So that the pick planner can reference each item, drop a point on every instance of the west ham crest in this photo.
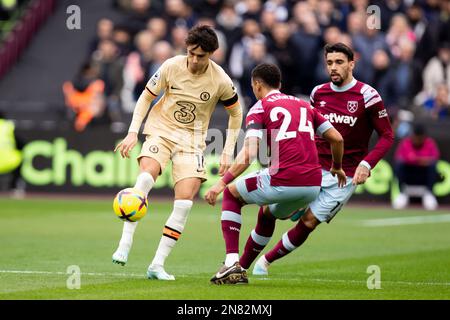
(352, 106)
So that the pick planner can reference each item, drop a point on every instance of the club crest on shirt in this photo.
(352, 106)
(204, 96)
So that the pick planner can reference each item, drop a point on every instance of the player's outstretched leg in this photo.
(258, 239)
(171, 233)
(231, 272)
(288, 243)
(298, 214)
(144, 183)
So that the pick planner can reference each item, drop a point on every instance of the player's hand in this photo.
(214, 192)
(127, 144)
(225, 163)
(342, 179)
(361, 175)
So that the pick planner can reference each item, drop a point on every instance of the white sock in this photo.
(127, 235)
(144, 182)
(231, 259)
(172, 230)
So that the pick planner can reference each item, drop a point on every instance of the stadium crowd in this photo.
(402, 50)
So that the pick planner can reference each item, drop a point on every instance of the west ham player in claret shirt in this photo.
(355, 109)
(294, 176)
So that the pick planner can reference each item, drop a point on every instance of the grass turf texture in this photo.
(41, 238)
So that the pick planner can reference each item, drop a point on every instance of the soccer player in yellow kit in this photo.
(176, 130)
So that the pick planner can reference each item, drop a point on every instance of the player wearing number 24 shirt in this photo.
(356, 110)
(190, 87)
(294, 176)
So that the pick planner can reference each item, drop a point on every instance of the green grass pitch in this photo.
(42, 238)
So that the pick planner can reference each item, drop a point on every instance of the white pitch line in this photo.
(406, 220)
(272, 278)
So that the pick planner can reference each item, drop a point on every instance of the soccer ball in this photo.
(130, 204)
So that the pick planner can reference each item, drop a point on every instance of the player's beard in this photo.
(339, 80)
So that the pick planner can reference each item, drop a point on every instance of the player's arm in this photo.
(246, 155)
(154, 86)
(334, 138)
(234, 110)
(139, 113)
(326, 130)
(380, 122)
(243, 160)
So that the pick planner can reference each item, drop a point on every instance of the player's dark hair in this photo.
(339, 47)
(202, 36)
(268, 73)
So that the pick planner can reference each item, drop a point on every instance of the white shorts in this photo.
(331, 198)
(282, 201)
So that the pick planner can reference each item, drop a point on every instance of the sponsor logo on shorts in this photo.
(153, 149)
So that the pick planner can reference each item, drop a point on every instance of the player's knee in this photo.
(309, 220)
(151, 166)
(232, 189)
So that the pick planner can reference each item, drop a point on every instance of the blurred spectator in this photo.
(366, 44)
(389, 9)
(257, 53)
(240, 50)
(158, 27)
(177, 36)
(438, 69)
(207, 8)
(331, 35)
(284, 51)
(11, 157)
(85, 96)
(399, 32)
(438, 107)
(104, 31)
(110, 67)
(139, 13)
(179, 13)
(356, 23)
(326, 14)
(122, 37)
(306, 38)
(415, 166)
(136, 70)
(229, 22)
(249, 9)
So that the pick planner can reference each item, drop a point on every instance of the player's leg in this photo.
(152, 161)
(290, 198)
(231, 272)
(328, 203)
(188, 174)
(249, 189)
(259, 237)
(149, 170)
(289, 242)
(185, 191)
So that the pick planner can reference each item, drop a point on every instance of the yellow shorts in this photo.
(185, 164)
